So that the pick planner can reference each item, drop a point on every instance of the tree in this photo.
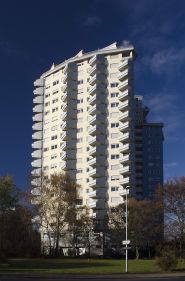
(8, 199)
(145, 224)
(173, 193)
(56, 204)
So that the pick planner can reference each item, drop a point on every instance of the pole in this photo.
(126, 236)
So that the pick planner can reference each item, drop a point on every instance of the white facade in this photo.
(84, 124)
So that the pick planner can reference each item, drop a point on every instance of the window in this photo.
(47, 86)
(114, 135)
(114, 167)
(79, 130)
(55, 92)
(80, 171)
(113, 85)
(80, 110)
(55, 109)
(55, 82)
(55, 100)
(113, 65)
(53, 156)
(114, 104)
(115, 156)
(46, 149)
(114, 188)
(113, 75)
(114, 95)
(46, 113)
(53, 166)
(79, 140)
(47, 95)
(114, 178)
(114, 125)
(80, 82)
(54, 146)
(47, 103)
(54, 137)
(115, 145)
(45, 168)
(80, 101)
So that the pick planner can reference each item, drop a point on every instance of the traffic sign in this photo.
(125, 242)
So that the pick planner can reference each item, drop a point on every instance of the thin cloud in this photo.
(92, 20)
(165, 109)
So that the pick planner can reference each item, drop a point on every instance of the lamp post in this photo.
(125, 193)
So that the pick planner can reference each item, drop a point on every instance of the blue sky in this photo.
(34, 34)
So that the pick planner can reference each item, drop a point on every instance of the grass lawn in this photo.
(81, 266)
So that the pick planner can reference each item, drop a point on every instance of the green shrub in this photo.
(167, 260)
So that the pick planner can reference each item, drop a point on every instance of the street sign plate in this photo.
(125, 242)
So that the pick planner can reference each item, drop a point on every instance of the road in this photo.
(146, 277)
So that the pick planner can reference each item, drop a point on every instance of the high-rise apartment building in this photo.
(88, 123)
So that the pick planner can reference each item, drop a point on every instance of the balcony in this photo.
(125, 116)
(36, 172)
(92, 90)
(92, 121)
(39, 82)
(124, 137)
(125, 159)
(93, 70)
(124, 126)
(63, 116)
(125, 170)
(39, 91)
(124, 181)
(63, 156)
(99, 182)
(97, 150)
(93, 80)
(64, 97)
(123, 65)
(37, 153)
(63, 146)
(65, 69)
(64, 88)
(63, 127)
(37, 117)
(93, 60)
(124, 85)
(99, 161)
(92, 194)
(122, 191)
(38, 99)
(36, 163)
(63, 136)
(37, 144)
(125, 148)
(38, 108)
(64, 107)
(63, 166)
(92, 110)
(37, 135)
(37, 126)
(95, 204)
(97, 172)
(124, 106)
(124, 95)
(92, 100)
(124, 75)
